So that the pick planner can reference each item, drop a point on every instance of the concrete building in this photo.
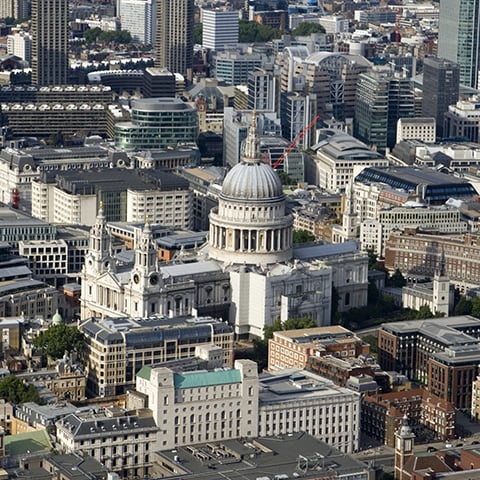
(49, 42)
(375, 231)
(423, 129)
(263, 90)
(20, 45)
(157, 123)
(127, 195)
(293, 348)
(14, 9)
(441, 353)
(220, 29)
(299, 453)
(336, 155)
(174, 39)
(139, 18)
(119, 441)
(220, 405)
(117, 348)
(462, 120)
(233, 67)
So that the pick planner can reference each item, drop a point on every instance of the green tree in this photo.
(15, 391)
(91, 35)
(198, 34)
(302, 236)
(285, 178)
(256, 32)
(463, 307)
(289, 324)
(372, 340)
(306, 28)
(476, 307)
(424, 312)
(372, 259)
(59, 339)
(373, 293)
(397, 279)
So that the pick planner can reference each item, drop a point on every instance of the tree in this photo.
(424, 312)
(372, 259)
(372, 340)
(256, 32)
(285, 178)
(306, 28)
(289, 324)
(397, 279)
(198, 34)
(302, 236)
(373, 293)
(476, 307)
(13, 390)
(463, 307)
(59, 339)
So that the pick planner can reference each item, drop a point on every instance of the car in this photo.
(475, 442)
(431, 449)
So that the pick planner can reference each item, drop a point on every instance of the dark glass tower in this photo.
(49, 42)
(440, 89)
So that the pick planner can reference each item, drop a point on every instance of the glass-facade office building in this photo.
(158, 123)
(459, 36)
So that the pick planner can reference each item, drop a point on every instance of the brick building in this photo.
(442, 354)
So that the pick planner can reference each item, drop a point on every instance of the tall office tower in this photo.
(49, 42)
(174, 42)
(138, 17)
(220, 28)
(441, 84)
(381, 99)
(17, 9)
(263, 89)
(459, 37)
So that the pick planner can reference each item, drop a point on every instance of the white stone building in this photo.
(248, 273)
(210, 406)
(374, 233)
(423, 129)
(336, 155)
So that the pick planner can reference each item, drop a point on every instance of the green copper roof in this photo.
(28, 442)
(145, 372)
(206, 379)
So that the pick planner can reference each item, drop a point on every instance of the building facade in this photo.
(49, 42)
(220, 28)
(174, 38)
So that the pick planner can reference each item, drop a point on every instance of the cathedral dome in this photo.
(252, 181)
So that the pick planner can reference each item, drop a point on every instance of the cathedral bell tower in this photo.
(144, 272)
(98, 259)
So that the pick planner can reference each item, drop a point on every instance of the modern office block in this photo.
(459, 37)
(220, 28)
(441, 80)
(49, 42)
(174, 40)
(139, 18)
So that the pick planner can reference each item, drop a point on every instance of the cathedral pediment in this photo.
(109, 280)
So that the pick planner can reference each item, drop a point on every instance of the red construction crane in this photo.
(295, 142)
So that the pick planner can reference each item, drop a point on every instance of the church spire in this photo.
(251, 151)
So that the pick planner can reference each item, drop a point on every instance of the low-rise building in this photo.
(122, 442)
(293, 348)
(430, 417)
(423, 129)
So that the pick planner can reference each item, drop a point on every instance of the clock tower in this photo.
(404, 442)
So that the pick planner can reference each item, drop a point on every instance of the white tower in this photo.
(441, 289)
(404, 441)
(98, 259)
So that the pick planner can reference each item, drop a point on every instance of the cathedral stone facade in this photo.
(248, 273)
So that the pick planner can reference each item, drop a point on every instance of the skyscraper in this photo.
(49, 42)
(138, 18)
(459, 37)
(174, 42)
(220, 28)
(441, 85)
